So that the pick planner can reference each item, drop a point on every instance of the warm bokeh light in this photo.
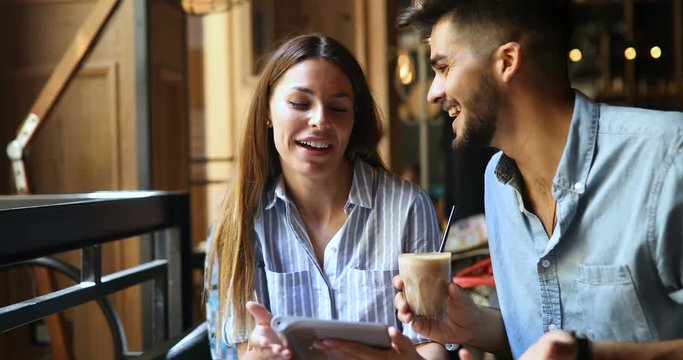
(656, 52)
(575, 55)
(630, 53)
(204, 7)
(406, 69)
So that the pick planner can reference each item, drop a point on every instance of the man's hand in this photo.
(455, 327)
(555, 345)
(264, 342)
(401, 348)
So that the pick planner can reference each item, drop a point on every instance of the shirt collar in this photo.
(361, 194)
(577, 157)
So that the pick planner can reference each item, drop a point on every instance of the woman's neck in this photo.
(320, 198)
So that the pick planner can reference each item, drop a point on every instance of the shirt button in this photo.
(334, 250)
(552, 327)
(545, 263)
(578, 186)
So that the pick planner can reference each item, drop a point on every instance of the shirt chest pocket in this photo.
(376, 291)
(289, 293)
(611, 306)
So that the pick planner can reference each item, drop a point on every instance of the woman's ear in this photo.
(508, 58)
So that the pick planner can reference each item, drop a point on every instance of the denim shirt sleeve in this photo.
(666, 225)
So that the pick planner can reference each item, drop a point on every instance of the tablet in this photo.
(301, 332)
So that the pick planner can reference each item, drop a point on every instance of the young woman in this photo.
(313, 223)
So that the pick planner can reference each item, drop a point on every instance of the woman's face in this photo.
(312, 111)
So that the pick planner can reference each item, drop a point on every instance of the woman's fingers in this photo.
(260, 313)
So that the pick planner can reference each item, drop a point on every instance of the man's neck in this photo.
(534, 133)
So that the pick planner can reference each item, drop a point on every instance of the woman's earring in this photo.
(268, 123)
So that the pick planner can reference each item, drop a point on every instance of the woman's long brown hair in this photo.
(258, 166)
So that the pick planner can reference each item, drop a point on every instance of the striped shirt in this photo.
(386, 216)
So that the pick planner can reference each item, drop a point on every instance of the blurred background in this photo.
(160, 101)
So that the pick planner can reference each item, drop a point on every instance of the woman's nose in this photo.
(319, 118)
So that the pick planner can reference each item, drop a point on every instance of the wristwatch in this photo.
(583, 345)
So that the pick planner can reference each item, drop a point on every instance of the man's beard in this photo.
(482, 111)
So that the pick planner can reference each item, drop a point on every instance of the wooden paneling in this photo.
(88, 143)
(57, 154)
(170, 165)
(169, 123)
(17, 285)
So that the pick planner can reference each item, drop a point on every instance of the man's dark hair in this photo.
(542, 27)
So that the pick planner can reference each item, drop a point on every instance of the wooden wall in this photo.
(91, 141)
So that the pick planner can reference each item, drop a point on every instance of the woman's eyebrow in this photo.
(310, 92)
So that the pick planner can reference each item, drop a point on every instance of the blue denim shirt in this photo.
(613, 266)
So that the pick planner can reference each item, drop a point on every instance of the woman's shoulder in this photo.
(390, 185)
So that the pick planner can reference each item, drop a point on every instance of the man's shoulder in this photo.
(639, 121)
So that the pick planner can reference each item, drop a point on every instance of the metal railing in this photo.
(33, 226)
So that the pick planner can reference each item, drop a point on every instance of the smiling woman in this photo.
(311, 213)
(311, 114)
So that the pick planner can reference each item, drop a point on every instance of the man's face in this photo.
(464, 87)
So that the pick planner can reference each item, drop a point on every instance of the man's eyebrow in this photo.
(436, 59)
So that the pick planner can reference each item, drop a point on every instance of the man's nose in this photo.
(436, 92)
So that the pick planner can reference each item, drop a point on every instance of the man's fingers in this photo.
(433, 329)
(398, 282)
(404, 314)
(464, 354)
(260, 313)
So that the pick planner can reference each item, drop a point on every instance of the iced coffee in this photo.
(426, 277)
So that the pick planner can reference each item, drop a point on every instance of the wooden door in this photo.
(121, 125)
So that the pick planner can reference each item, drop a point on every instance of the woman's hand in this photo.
(264, 342)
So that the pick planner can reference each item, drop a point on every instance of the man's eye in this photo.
(298, 105)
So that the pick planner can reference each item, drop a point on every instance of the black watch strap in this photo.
(583, 345)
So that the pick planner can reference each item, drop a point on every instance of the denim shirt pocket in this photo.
(611, 306)
(289, 293)
(376, 288)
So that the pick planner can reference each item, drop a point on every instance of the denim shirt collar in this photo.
(577, 157)
(362, 172)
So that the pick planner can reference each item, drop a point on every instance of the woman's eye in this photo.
(339, 109)
(298, 105)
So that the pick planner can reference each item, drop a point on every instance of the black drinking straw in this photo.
(448, 227)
